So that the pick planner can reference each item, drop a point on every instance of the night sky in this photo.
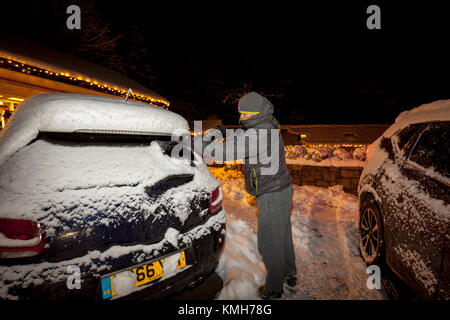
(316, 63)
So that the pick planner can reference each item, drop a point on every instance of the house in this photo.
(351, 135)
(27, 69)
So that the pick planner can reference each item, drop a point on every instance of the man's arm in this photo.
(238, 144)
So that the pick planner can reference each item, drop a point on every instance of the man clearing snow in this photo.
(267, 178)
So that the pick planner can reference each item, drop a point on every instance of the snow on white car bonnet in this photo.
(76, 112)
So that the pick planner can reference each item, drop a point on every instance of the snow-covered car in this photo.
(95, 205)
(405, 200)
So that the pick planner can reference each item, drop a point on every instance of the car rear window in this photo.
(125, 140)
(57, 162)
(432, 149)
(100, 138)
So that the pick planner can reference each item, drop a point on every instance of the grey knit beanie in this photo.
(251, 103)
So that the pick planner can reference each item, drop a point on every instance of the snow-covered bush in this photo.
(295, 152)
(341, 154)
(319, 154)
(360, 153)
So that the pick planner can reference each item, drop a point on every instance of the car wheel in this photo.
(371, 234)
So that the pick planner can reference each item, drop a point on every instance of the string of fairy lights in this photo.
(304, 144)
(79, 81)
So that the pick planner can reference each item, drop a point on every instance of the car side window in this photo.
(407, 133)
(432, 148)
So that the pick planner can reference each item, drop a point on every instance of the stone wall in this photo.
(319, 176)
(326, 176)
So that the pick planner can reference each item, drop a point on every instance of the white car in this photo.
(94, 205)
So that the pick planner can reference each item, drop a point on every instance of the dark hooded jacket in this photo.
(257, 180)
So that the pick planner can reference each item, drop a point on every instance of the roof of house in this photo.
(336, 134)
(30, 53)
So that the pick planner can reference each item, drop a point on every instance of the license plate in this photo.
(145, 273)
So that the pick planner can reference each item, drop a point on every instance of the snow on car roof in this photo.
(435, 111)
(56, 112)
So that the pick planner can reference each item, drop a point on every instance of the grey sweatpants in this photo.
(275, 236)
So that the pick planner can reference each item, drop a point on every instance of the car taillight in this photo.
(215, 201)
(368, 151)
(21, 238)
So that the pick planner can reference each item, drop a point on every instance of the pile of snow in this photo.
(325, 237)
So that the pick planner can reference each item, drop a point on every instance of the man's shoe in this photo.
(267, 294)
(290, 283)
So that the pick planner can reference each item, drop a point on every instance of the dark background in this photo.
(317, 62)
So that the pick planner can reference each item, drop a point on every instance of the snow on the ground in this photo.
(325, 236)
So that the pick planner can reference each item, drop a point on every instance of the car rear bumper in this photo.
(203, 245)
